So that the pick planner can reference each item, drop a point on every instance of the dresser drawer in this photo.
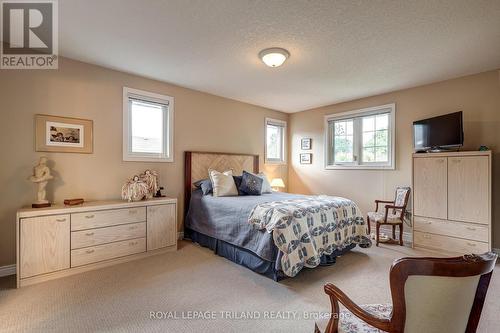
(91, 237)
(477, 232)
(93, 254)
(449, 244)
(105, 218)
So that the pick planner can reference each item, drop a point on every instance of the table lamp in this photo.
(277, 183)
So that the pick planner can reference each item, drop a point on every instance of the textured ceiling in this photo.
(340, 50)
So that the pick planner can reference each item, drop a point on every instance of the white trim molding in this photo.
(356, 116)
(8, 270)
(167, 103)
(283, 125)
(407, 235)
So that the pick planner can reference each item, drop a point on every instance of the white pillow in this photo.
(266, 186)
(223, 183)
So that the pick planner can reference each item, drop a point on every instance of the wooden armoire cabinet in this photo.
(452, 201)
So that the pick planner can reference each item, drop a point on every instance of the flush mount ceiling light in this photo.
(274, 57)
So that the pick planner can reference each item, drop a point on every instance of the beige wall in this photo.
(202, 122)
(477, 95)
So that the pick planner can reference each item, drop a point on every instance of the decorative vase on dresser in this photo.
(452, 201)
(64, 240)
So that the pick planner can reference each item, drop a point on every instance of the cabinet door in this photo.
(468, 189)
(44, 244)
(162, 226)
(430, 187)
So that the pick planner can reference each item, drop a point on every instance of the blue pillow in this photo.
(237, 182)
(250, 184)
(205, 185)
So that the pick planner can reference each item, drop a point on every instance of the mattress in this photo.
(226, 219)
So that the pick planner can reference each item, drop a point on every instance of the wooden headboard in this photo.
(197, 163)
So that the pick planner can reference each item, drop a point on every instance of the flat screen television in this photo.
(439, 133)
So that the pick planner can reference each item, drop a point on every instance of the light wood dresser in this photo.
(65, 240)
(452, 201)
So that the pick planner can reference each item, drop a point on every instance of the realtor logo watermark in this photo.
(29, 34)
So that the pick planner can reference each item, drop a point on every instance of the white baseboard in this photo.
(407, 235)
(497, 251)
(180, 235)
(8, 270)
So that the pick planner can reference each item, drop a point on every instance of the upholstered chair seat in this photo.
(380, 217)
(349, 323)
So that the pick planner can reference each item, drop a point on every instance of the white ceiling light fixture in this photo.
(274, 57)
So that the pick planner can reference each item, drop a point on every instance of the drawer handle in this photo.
(456, 161)
(471, 228)
(61, 220)
(133, 243)
(440, 160)
(471, 244)
(132, 211)
(427, 236)
(90, 251)
(89, 216)
(89, 234)
(132, 228)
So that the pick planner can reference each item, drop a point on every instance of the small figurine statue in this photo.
(135, 189)
(150, 177)
(41, 176)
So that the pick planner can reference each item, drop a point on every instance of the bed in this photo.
(242, 229)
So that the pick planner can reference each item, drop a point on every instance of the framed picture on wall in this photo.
(306, 158)
(306, 144)
(63, 134)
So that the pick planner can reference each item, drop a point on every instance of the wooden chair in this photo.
(393, 215)
(431, 295)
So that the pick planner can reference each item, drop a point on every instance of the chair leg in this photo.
(378, 231)
(394, 231)
(368, 222)
(401, 234)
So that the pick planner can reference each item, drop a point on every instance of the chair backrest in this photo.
(440, 294)
(401, 199)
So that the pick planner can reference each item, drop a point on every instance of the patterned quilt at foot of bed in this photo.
(305, 229)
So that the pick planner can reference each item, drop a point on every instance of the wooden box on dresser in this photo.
(63, 240)
(452, 201)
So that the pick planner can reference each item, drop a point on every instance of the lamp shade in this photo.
(277, 182)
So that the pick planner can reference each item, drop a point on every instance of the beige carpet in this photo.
(120, 298)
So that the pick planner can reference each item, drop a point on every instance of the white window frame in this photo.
(283, 124)
(358, 137)
(168, 125)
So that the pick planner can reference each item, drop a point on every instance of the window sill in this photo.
(275, 162)
(147, 159)
(360, 167)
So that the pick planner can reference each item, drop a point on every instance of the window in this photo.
(361, 139)
(147, 126)
(275, 141)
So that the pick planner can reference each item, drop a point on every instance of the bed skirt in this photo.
(249, 259)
